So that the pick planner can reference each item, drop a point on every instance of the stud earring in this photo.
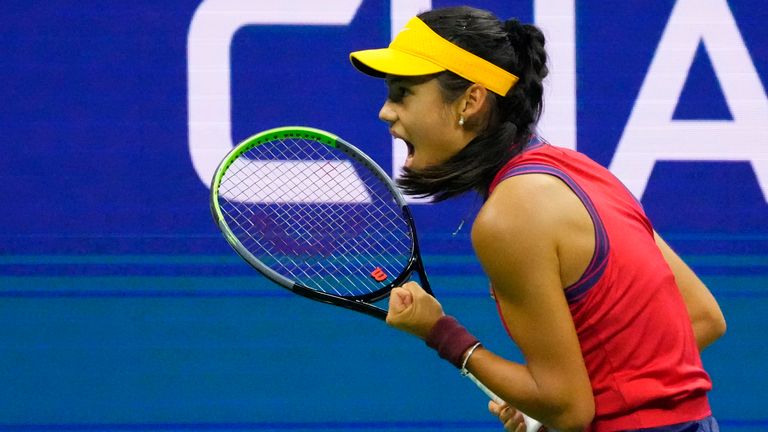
(461, 121)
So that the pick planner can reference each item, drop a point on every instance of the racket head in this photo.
(316, 215)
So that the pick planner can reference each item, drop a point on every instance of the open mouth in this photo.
(410, 153)
(408, 145)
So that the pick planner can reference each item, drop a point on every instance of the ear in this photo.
(472, 104)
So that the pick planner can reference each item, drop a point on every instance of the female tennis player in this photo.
(609, 319)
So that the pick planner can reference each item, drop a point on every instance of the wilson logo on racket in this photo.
(378, 275)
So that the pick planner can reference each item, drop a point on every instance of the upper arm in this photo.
(515, 237)
(704, 312)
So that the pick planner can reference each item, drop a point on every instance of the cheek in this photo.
(435, 126)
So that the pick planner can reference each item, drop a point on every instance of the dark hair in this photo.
(513, 46)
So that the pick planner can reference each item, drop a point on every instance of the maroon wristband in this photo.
(450, 339)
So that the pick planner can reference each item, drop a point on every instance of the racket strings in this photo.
(310, 211)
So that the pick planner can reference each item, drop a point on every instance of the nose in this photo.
(386, 113)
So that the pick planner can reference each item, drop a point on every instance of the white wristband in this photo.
(470, 351)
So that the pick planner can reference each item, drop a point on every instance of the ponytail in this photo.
(524, 102)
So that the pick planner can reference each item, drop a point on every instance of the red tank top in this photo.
(633, 326)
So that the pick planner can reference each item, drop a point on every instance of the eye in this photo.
(397, 93)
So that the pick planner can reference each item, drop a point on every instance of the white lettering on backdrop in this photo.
(650, 134)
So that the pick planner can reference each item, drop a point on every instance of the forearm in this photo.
(555, 392)
(555, 402)
(705, 315)
(706, 333)
(708, 322)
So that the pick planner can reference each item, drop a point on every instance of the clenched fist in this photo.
(413, 310)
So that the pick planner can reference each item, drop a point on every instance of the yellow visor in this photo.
(418, 50)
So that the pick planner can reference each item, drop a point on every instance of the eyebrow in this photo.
(394, 80)
(408, 80)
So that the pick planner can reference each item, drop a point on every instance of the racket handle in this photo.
(531, 425)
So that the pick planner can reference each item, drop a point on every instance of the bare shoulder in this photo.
(533, 223)
(525, 205)
(517, 225)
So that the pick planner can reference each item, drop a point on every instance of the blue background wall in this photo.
(121, 308)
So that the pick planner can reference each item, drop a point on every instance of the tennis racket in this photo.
(319, 217)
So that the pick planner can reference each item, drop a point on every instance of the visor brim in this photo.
(387, 61)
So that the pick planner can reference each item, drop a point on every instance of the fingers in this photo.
(495, 408)
(413, 288)
(403, 297)
(511, 418)
(399, 300)
(412, 309)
